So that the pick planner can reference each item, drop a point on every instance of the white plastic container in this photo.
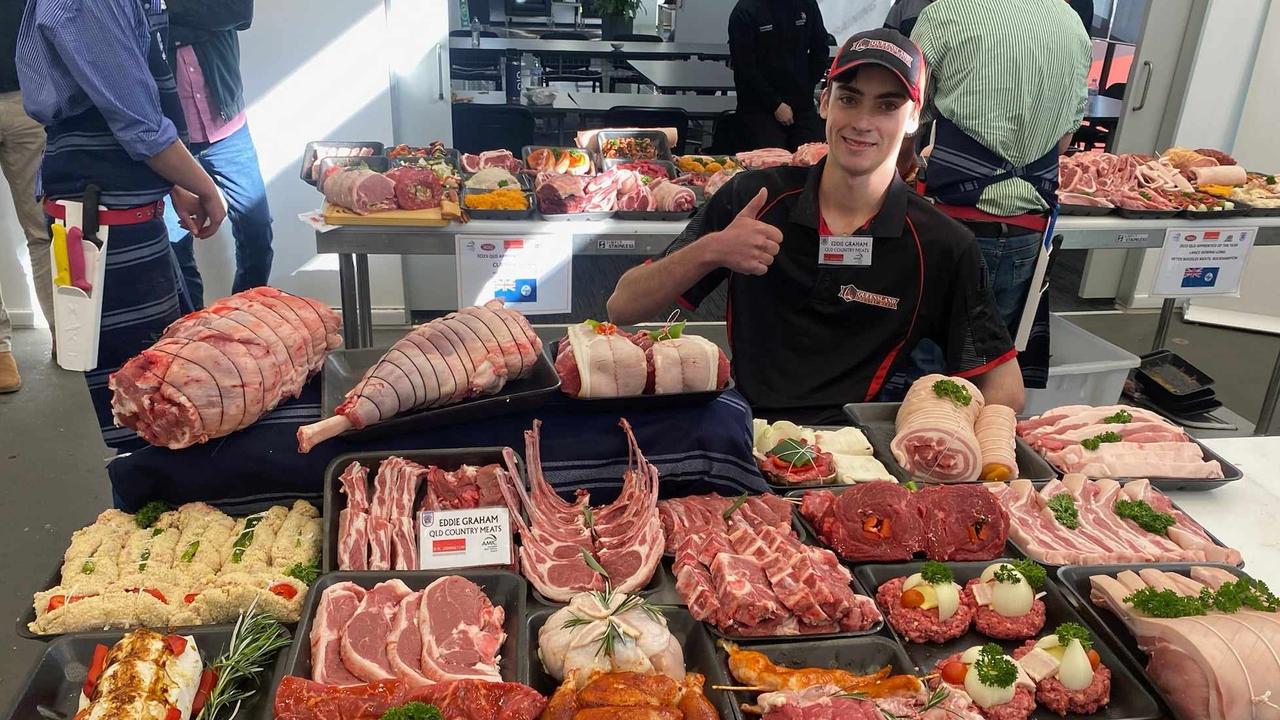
(1084, 369)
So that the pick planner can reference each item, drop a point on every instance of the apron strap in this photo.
(960, 168)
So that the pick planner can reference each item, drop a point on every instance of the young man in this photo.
(834, 270)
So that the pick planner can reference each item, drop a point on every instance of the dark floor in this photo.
(52, 458)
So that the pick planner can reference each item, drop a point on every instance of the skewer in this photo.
(740, 688)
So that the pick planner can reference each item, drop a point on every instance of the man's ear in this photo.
(822, 102)
(913, 120)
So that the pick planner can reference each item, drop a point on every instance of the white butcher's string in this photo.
(928, 476)
(1265, 699)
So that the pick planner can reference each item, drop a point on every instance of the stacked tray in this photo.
(333, 148)
(876, 420)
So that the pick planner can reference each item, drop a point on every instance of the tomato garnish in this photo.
(176, 643)
(1095, 659)
(96, 666)
(284, 590)
(189, 598)
(954, 672)
(912, 598)
(208, 679)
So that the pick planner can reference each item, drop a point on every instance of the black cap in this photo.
(887, 48)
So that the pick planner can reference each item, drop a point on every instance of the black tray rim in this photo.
(309, 154)
(1230, 471)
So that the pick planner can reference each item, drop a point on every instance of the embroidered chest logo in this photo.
(851, 293)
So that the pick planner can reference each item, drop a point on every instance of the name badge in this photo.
(850, 250)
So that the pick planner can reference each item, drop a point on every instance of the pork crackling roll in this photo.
(935, 437)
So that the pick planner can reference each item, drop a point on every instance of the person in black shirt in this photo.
(779, 51)
(835, 272)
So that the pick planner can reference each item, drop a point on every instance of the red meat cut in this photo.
(416, 188)
(364, 639)
(869, 522)
(962, 522)
(301, 699)
(338, 604)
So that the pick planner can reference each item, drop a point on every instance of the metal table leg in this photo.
(363, 306)
(1269, 402)
(350, 313)
(1162, 327)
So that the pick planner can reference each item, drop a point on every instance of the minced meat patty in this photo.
(1055, 697)
(994, 625)
(1019, 708)
(923, 626)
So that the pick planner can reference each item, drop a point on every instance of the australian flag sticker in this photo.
(521, 290)
(1199, 277)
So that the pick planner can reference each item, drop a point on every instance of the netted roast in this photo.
(220, 369)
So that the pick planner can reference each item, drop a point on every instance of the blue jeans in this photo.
(1010, 261)
(233, 164)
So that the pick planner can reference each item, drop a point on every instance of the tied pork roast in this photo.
(220, 369)
(360, 190)
(935, 437)
(600, 360)
(466, 354)
(671, 197)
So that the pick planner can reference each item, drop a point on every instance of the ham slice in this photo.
(935, 437)
(1219, 175)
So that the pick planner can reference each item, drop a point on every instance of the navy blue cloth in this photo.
(233, 164)
(961, 168)
(698, 449)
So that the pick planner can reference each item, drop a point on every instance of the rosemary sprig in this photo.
(256, 639)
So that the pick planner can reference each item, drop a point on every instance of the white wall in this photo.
(15, 266)
(845, 17)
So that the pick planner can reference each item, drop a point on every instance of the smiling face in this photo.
(868, 112)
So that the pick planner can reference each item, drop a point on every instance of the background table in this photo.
(1101, 107)
(697, 75)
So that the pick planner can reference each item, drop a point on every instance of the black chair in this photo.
(557, 67)
(480, 10)
(477, 127)
(487, 69)
(622, 72)
(643, 117)
(728, 135)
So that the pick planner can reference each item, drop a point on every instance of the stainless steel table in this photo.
(589, 103)
(693, 75)
(462, 47)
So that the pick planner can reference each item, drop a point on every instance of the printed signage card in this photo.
(1203, 261)
(450, 539)
(532, 274)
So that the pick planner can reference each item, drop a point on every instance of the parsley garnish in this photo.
(416, 710)
(1067, 632)
(305, 573)
(935, 573)
(1096, 441)
(1006, 574)
(150, 513)
(1271, 179)
(953, 391)
(1064, 510)
(1147, 517)
(912, 486)
(1165, 603)
(1245, 592)
(993, 668)
(1027, 570)
(1120, 417)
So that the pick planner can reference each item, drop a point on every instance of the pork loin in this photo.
(597, 361)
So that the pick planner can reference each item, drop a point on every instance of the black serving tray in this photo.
(503, 588)
(343, 369)
(1255, 211)
(646, 402)
(699, 656)
(1158, 392)
(1230, 472)
(575, 217)
(309, 154)
(876, 420)
(812, 486)
(1084, 210)
(1131, 699)
(55, 681)
(335, 501)
(1146, 214)
(1240, 210)
(861, 656)
(1075, 579)
(499, 214)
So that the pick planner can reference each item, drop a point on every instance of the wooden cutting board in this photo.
(433, 217)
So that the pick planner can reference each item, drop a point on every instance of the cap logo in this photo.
(871, 44)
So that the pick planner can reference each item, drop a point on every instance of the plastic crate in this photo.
(1084, 369)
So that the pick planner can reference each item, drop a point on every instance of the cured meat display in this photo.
(301, 699)
(631, 695)
(704, 515)
(753, 577)
(601, 360)
(880, 522)
(789, 454)
(608, 632)
(220, 369)
(448, 631)
(491, 159)
(475, 351)
(1077, 521)
(1212, 640)
(809, 154)
(191, 566)
(765, 158)
(936, 438)
(563, 546)
(416, 188)
(1116, 441)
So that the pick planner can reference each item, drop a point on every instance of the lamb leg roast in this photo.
(466, 354)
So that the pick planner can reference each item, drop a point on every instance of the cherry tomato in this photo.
(1094, 659)
(150, 591)
(912, 598)
(176, 643)
(284, 590)
(56, 602)
(173, 714)
(954, 672)
(208, 679)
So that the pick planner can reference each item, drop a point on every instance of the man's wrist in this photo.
(702, 255)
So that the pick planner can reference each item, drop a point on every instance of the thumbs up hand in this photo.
(747, 246)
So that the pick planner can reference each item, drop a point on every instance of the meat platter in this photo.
(503, 589)
(335, 500)
(1078, 587)
(1231, 473)
(53, 687)
(1131, 699)
(645, 402)
(376, 163)
(857, 655)
(877, 421)
(1146, 214)
(479, 214)
(699, 656)
(608, 142)
(319, 149)
(344, 368)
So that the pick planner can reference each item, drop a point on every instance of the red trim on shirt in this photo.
(688, 306)
(877, 381)
(1013, 353)
(775, 200)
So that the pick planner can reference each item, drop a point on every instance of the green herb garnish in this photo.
(246, 537)
(667, 332)
(415, 710)
(1006, 574)
(150, 513)
(953, 391)
(1064, 510)
(189, 554)
(588, 518)
(993, 668)
(796, 452)
(1015, 572)
(1165, 603)
(1067, 632)
(1096, 441)
(612, 634)
(88, 567)
(935, 573)
(305, 573)
(911, 485)
(1119, 418)
(1271, 179)
(1245, 592)
(1147, 517)
(256, 639)
(733, 508)
(593, 563)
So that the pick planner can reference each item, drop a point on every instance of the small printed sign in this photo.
(613, 244)
(852, 250)
(1203, 260)
(449, 539)
(533, 273)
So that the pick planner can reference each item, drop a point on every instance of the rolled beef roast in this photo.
(416, 188)
(868, 522)
(962, 522)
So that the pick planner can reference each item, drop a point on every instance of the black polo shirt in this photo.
(809, 337)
